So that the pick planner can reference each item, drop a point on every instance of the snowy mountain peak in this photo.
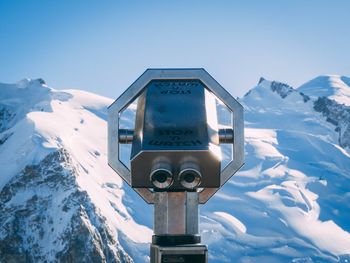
(333, 87)
(59, 200)
(280, 99)
(26, 88)
(275, 95)
(26, 83)
(265, 87)
(17, 100)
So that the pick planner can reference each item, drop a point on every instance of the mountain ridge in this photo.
(332, 108)
(334, 87)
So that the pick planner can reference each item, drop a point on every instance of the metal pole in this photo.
(176, 232)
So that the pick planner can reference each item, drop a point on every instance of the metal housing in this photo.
(176, 123)
(138, 87)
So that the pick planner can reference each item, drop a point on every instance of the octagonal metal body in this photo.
(137, 89)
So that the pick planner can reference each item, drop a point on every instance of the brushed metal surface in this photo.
(176, 213)
(177, 120)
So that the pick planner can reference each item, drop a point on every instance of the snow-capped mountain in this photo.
(333, 87)
(60, 201)
(332, 98)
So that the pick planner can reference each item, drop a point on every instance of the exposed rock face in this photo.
(5, 117)
(32, 230)
(334, 112)
(338, 115)
(281, 88)
(284, 90)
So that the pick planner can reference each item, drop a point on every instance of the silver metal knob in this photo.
(226, 135)
(126, 136)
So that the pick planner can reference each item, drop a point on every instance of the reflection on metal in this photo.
(226, 136)
(176, 213)
(175, 155)
(126, 136)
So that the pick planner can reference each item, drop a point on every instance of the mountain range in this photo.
(61, 202)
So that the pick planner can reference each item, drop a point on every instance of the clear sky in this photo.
(103, 46)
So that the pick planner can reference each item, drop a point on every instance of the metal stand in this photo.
(175, 153)
(176, 229)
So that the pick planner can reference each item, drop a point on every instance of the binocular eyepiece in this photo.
(162, 176)
(190, 176)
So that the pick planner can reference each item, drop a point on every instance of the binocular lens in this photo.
(162, 178)
(190, 178)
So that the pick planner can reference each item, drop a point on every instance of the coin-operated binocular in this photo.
(176, 159)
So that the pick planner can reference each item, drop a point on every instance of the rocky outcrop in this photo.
(338, 115)
(6, 115)
(45, 217)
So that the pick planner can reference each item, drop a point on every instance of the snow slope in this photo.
(331, 95)
(60, 201)
(292, 196)
(332, 86)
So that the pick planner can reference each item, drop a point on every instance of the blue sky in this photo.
(103, 46)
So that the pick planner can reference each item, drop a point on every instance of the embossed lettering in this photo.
(174, 143)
